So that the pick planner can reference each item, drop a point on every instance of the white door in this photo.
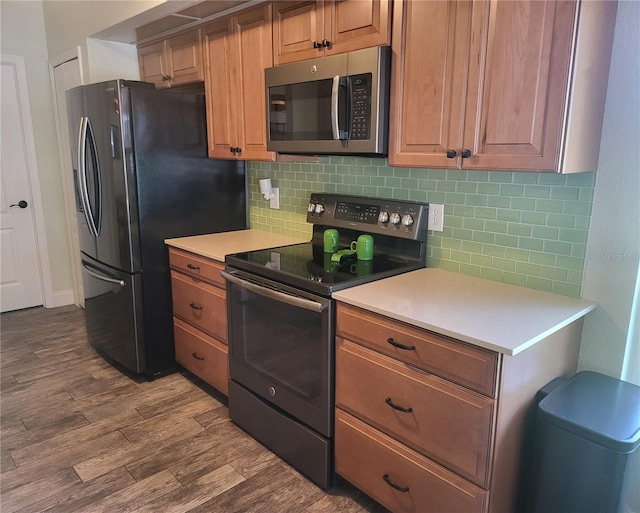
(20, 277)
(68, 74)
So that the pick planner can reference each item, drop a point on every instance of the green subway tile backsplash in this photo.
(527, 229)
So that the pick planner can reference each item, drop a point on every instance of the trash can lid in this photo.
(597, 407)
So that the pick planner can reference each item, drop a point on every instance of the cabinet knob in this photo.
(325, 43)
(317, 44)
(466, 153)
(166, 78)
(451, 154)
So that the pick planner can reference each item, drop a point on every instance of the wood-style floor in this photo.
(78, 436)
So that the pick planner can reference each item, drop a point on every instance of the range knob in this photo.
(319, 208)
(395, 218)
(407, 220)
(383, 217)
(311, 208)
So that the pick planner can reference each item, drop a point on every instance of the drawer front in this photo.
(443, 421)
(469, 366)
(198, 268)
(203, 355)
(364, 456)
(200, 304)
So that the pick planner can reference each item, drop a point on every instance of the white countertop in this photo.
(497, 316)
(218, 245)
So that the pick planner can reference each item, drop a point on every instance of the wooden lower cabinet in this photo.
(200, 317)
(400, 479)
(445, 421)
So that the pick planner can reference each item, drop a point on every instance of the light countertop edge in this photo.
(492, 315)
(218, 245)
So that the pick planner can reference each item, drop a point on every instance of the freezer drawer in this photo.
(113, 306)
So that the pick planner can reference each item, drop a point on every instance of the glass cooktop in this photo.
(307, 266)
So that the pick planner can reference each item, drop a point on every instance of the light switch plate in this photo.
(275, 201)
(436, 217)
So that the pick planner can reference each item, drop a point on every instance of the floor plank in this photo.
(79, 435)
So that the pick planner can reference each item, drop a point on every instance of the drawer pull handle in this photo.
(193, 267)
(195, 355)
(400, 346)
(396, 407)
(195, 307)
(403, 489)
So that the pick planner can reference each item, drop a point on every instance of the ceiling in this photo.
(168, 18)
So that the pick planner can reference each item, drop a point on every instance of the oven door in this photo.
(281, 347)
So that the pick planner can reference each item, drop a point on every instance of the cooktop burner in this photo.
(398, 228)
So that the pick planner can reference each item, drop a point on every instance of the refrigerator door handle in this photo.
(86, 138)
(91, 272)
(82, 176)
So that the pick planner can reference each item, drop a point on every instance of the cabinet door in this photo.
(153, 65)
(355, 24)
(221, 93)
(252, 55)
(296, 27)
(428, 82)
(184, 58)
(518, 80)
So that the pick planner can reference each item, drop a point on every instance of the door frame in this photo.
(68, 192)
(33, 176)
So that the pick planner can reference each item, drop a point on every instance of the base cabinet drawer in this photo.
(441, 420)
(471, 367)
(200, 304)
(397, 477)
(197, 267)
(205, 356)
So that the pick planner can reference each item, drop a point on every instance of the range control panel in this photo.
(396, 218)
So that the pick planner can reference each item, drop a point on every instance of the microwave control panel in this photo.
(360, 107)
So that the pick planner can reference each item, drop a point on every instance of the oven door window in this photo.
(302, 112)
(283, 351)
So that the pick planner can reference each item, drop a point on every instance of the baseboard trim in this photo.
(62, 298)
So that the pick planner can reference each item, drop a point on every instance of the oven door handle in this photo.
(296, 301)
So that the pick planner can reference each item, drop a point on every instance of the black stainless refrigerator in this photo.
(142, 175)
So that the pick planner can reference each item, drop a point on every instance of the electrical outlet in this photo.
(436, 217)
(275, 201)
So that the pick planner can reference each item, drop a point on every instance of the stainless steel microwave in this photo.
(330, 105)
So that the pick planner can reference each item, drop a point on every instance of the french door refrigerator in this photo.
(142, 175)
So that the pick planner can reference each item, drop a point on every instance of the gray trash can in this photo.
(586, 457)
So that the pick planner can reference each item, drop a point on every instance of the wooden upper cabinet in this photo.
(306, 30)
(173, 61)
(428, 87)
(499, 85)
(518, 76)
(237, 51)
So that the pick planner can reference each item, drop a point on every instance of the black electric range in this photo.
(399, 229)
(282, 322)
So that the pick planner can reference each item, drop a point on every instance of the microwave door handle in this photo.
(335, 129)
(295, 301)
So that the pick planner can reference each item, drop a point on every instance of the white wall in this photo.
(71, 23)
(22, 33)
(613, 247)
